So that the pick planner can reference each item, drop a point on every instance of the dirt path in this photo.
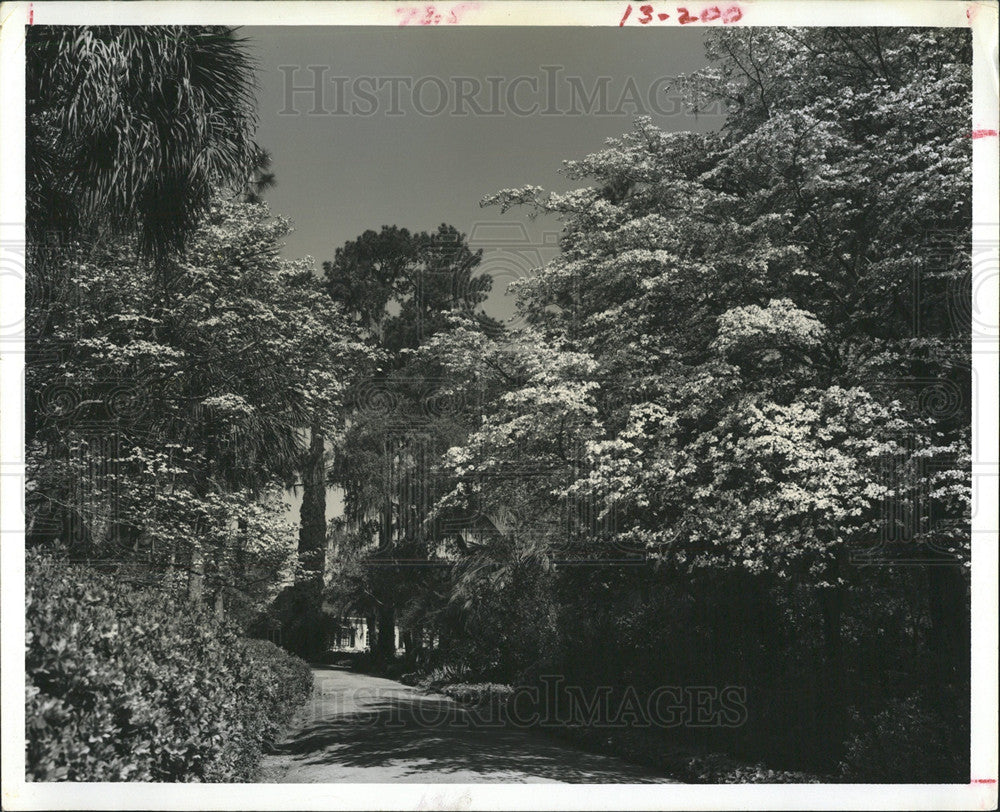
(360, 728)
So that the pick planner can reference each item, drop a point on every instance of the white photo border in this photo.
(981, 793)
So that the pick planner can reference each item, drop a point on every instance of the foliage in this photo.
(174, 359)
(297, 611)
(749, 367)
(133, 129)
(906, 742)
(168, 400)
(127, 684)
(742, 298)
(490, 694)
(766, 271)
(744, 378)
(428, 275)
(402, 289)
(500, 619)
(276, 680)
(717, 769)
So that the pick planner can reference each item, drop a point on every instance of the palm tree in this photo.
(132, 128)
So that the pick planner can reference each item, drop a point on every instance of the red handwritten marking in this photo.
(982, 133)
(31, 13)
(431, 15)
(730, 15)
(983, 781)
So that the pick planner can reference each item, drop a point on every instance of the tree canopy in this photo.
(133, 127)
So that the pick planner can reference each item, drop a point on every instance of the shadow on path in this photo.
(363, 728)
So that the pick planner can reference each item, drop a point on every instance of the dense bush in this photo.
(651, 629)
(443, 675)
(125, 684)
(274, 680)
(479, 693)
(906, 742)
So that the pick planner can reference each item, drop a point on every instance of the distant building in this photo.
(351, 634)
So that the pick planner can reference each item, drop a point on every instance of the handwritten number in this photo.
(431, 15)
(461, 8)
(409, 12)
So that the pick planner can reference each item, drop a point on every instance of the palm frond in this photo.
(134, 127)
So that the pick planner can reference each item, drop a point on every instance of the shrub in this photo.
(125, 684)
(276, 681)
(479, 694)
(445, 675)
(906, 742)
(716, 768)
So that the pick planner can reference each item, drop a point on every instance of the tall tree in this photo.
(130, 131)
(769, 311)
(402, 288)
(172, 417)
(132, 127)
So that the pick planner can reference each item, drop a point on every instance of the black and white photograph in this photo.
(403, 404)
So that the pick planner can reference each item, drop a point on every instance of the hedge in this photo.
(126, 684)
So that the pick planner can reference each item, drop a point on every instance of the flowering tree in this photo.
(174, 395)
(763, 327)
(773, 264)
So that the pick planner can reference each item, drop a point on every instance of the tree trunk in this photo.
(331, 552)
(312, 516)
(419, 644)
(386, 633)
(196, 577)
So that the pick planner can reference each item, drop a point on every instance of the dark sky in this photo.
(340, 174)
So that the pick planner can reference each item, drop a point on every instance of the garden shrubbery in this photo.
(125, 684)
(479, 694)
(906, 742)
